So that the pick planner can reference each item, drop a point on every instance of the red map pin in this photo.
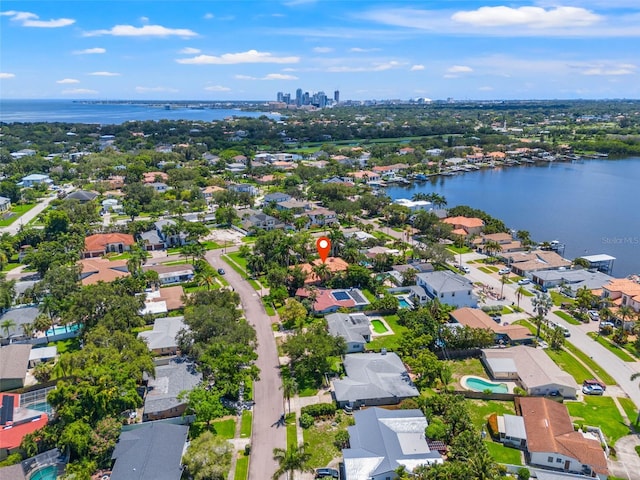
(323, 244)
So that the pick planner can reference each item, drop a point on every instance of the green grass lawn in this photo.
(612, 347)
(468, 366)
(599, 412)
(292, 435)
(242, 467)
(502, 454)
(68, 345)
(485, 269)
(320, 438)
(458, 250)
(210, 245)
(481, 409)
(597, 369)
(120, 256)
(368, 295)
(629, 408)
(566, 317)
(245, 424)
(233, 265)
(225, 428)
(10, 266)
(569, 364)
(269, 309)
(390, 342)
(527, 293)
(17, 211)
(558, 299)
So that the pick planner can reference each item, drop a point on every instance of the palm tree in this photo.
(503, 280)
(289, 389)
(519, 292)
(205, 279)
(542, 303)
(322, 271)
(42, 323)
(625, 311)
(7, 325)
(492, 247)
(291, 461)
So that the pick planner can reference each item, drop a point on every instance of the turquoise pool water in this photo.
(41, 407)
(60, 330)
(480, 385)
(402, 303)
(46, 473)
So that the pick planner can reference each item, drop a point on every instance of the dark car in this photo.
(327, 473)
(221, 271)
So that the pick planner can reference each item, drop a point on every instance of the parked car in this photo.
(592, 382)
(327, 473)
(465, 269)
(221, 271)
(594, 315)
(504, 271)
(524, 281)
(592, 390)
(606, 324)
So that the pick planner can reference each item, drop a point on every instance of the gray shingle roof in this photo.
(382, 440)
(372, 376)
(14, 360)
(446, 281)
(19, 316)
(352, 327)
(164, 332)
(179, 375)
(151, 451)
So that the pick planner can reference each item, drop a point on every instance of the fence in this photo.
(485, 396)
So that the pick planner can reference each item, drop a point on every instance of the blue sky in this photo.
(242, 49)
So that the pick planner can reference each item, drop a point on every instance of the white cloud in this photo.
(363, 50)
(270, 76)
(208, 16)
(250, 56)
(144, 31)
(68, 81)
(416, 68)
(7, 75)
(144, 20)
(459, 69)
(217, 88)
(485, 89)
(104, 74)
(375, 67)
(79, 91)
(155, 89)
(90, 51)
(534, 17)
(323, 49)
(190, 51)
(611, 70)
(28, 19)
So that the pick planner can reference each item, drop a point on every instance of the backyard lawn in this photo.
(502, 454)
(390, 342)
(242, 467)
(225, 428)
(468, 366)
(599, 412)
(481, 409)
(320, 438)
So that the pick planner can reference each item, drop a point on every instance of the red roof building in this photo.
(102, 243)
(17, 421)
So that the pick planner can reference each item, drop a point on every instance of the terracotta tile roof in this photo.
(12, 437)
(324, 299)
(459, 231)
(476, 318)
(624, 286)
(98, 242)
(335, 265)
(150, 177)
(96, 270)
(173, 297)
(549, 429)
(465, 222)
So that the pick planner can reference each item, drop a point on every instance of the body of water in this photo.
(592, 206)
(111, 113)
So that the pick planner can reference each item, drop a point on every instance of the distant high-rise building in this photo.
(286, 98)
(336, 96)
(306, 99)
(298, 97)
(280, 97)
(322, 99)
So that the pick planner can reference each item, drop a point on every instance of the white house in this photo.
(355, 328)
(448, 287)
(35, 179)
(5, 204)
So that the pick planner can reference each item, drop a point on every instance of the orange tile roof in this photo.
(12, 437)
(335, 265)
(99, 241)
(96, 270)
(172, 296)
(465, 222)
(150, 177)
(459, 231)
(624, 286)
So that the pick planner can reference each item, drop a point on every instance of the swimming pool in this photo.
(478, 384)
(61, 329)
(47, 473)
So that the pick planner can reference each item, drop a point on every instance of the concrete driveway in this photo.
(267, 393)
(628, 463)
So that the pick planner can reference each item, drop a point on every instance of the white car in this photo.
(524, 281)
(594, 315)
(504, 271)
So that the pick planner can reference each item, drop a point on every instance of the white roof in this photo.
(42, 353)
(602, 257)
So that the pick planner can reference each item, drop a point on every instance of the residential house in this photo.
(505, 240)
(161, 398)
(82, 196)
(208, 192)
(526, 263)
(504, 334)
(531, 368)
(381, 441)
(168, 274)
(162, 339)
(365, 176)
(100, 244)
(321, 217)
(334, 264)
(261, 221)
(42, 354)
(390, 170)
(244, 188)
(167, 232)
(5, 204)
(414, 205)
(553, 443)
(35, 179)
(623, 292)
(373, 379)
(296, 206)
(151, 177)
(571, 280)
(17, 317)
(159, 187)
(355, 328)
(112, 205)
(276, 197)
(448, 287)
(25, 152)
(163, 300)
(511, 431)
(14, 361)
(94, 270)
(16, 421)
(471, 226)
(150, 451)
(328, 301)
(603, 263)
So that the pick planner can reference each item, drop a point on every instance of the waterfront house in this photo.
(5, 205)
(355, 328)
(414, 205)
(381, 441)
(553, 443)
(448, 287)
(470, 225)
(601, 262)
(571, 281)
(365, 176)
(150, 451)
(526, 263)
(475, 318)
(373, 379)
(505, 240)
(102, 243)
(623, 291)
(531, 368)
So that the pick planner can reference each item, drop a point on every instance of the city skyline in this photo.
(250, 50)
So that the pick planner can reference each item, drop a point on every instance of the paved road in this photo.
(31, 214)
(267, 392)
